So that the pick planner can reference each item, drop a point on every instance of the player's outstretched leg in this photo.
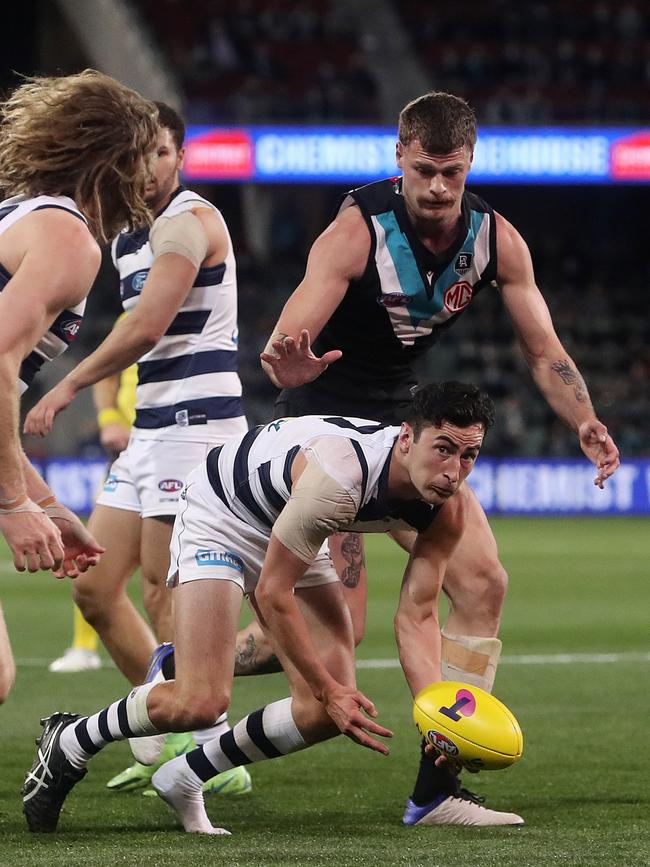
(51, 777)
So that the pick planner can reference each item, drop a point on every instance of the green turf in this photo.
(583, 784)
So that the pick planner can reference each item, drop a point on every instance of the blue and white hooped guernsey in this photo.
(65, 327)
(251, 475)
(188, 386)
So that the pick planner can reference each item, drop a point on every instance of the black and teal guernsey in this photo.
(405, 300)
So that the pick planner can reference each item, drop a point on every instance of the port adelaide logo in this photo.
(463, 263)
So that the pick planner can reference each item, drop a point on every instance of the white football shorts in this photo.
(147, 477)
(209, 541)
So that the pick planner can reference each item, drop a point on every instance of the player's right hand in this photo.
(114, 437)
(293, 363)
(348, 708)
(34, 540)
(40, 419)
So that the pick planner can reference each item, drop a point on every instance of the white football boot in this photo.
(459, 809)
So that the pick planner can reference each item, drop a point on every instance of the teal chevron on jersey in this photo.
(407, 272)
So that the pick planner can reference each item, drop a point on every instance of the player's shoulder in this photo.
(61, 231)
(348, 231)
(509, 239)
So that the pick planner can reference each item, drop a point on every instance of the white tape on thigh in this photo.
(136, 710)
(470, 659)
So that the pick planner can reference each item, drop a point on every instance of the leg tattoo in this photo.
(248, 659)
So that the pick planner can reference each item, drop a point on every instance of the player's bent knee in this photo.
(200, 712)
(93, 602)
(481, 591)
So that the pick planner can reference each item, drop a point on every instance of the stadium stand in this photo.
(264, 60)
(540, 62)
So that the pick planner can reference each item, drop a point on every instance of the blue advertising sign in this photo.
(355, 155)
(515, 486)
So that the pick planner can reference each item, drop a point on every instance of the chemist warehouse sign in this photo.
(505, 487)
(349, 155)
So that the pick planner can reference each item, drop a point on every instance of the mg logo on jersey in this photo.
(170, 486)
(205, 557)
(458, 296)
(71, 328)
(463, 263)
(442, 742)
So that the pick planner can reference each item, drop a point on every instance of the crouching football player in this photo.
(263, 505)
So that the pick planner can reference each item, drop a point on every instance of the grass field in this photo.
(577, 588)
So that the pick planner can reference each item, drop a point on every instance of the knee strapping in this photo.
(470, 659)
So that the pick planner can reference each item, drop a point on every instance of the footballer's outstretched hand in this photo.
(40, 419)
(293, 363)
(600, 448)
(350, 710)
(81, 549)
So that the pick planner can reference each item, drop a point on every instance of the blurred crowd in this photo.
(255, 61)
(565, 61)
(570, 61)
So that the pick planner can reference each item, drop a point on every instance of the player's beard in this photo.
(161, 191)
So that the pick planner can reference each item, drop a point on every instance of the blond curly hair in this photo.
(86, 136)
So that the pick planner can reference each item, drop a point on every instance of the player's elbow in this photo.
(145, 334)
(268, 599)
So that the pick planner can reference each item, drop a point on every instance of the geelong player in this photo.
(75, 153)
(261, 507)
(404, 258)
(178, 284)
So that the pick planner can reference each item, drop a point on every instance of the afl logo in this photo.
(71, 328)
(138, 280)
(443, 743)
(458, 296)
(169, 486)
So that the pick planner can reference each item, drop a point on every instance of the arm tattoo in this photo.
(248, 661)
(352, 552)
(570, 376)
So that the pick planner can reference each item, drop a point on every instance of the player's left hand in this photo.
(40, 419)
(346, 706)
(81, 549)
(600, 448)
(293, 362)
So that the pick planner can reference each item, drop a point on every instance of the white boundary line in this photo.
(522, 659)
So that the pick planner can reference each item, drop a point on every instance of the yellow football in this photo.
(468, 725)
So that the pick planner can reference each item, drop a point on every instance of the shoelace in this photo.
(466, 795)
